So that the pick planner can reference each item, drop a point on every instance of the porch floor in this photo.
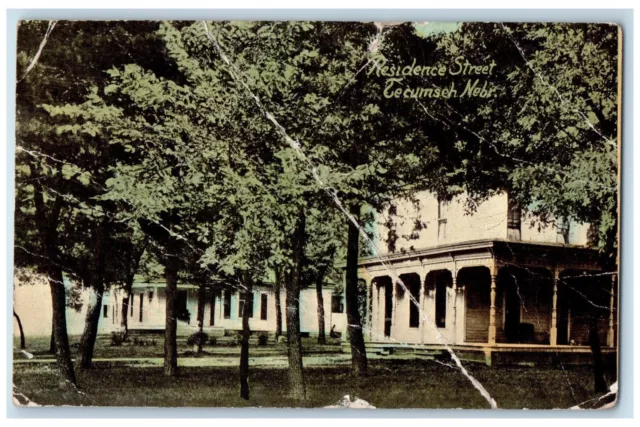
(499, 353)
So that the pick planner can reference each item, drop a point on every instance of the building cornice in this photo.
(488, 245)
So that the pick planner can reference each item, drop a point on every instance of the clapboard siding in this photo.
(477, 312)
(477, 325)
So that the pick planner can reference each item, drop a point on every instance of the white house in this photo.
(492, 282)
(146, 311)
(223, 308)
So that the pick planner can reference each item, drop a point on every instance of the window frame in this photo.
(264, 306)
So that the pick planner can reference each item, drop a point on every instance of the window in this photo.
(263, 306)
(132, 301)
(105, 311)
(227, 304)
(337, 306)
(141, 306)
(414, 310)
(441, 303)
(592, 235)
(442, 219)
(562, 230)
(241, 305)
(212, 310)
(514, 221)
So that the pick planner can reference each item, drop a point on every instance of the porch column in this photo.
(492, 309)
(367, 322)
(374, 309)
(421, 296)
(553, 333)
(454, 287)
(394, 305)
(612, 301)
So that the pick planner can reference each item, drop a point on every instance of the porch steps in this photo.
(389, 349)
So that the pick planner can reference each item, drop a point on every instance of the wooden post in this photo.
(367, 323)
(382, 307)
(423, 279)
(454, 287)
(612, 301)
(492, 309)
(394, 305)
(553, 333)
(373, 328)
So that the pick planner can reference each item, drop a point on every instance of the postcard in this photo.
(317, 214)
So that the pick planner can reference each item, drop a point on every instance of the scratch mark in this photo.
(334, 195)
(34, 60)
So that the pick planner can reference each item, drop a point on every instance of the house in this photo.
(146, 311)
(494, 284)
(222, 309)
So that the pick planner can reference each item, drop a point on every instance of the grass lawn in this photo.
(152, 346)
(390, 384)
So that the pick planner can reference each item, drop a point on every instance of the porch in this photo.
(492, 301)
(498, 354)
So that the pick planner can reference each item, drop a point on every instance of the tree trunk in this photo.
(84, 359)
(277, 289)
(600, 385)
(47, 229)
(294, 343)
(22, 343)
(356, 337)
(52, 341)
(132, 267)
(59, 305)
(322, 338)
(200, 315)
(124, 320)
(171, 322)
(244, 349)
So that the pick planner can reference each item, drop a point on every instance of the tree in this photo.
(324, 248)
(22, 341)
(134, 249)
(58, 175)
(552, 142)
(361, 151)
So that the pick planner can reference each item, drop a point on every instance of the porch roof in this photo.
(501, 249)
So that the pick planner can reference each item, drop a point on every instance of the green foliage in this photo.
(551, 132)
(198, 338)
(162, 140)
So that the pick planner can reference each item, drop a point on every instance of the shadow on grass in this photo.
(390, 384)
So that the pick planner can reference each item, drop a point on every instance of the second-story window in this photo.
(442, 219)
(514, 218)
(592, 235)
(562, 230)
